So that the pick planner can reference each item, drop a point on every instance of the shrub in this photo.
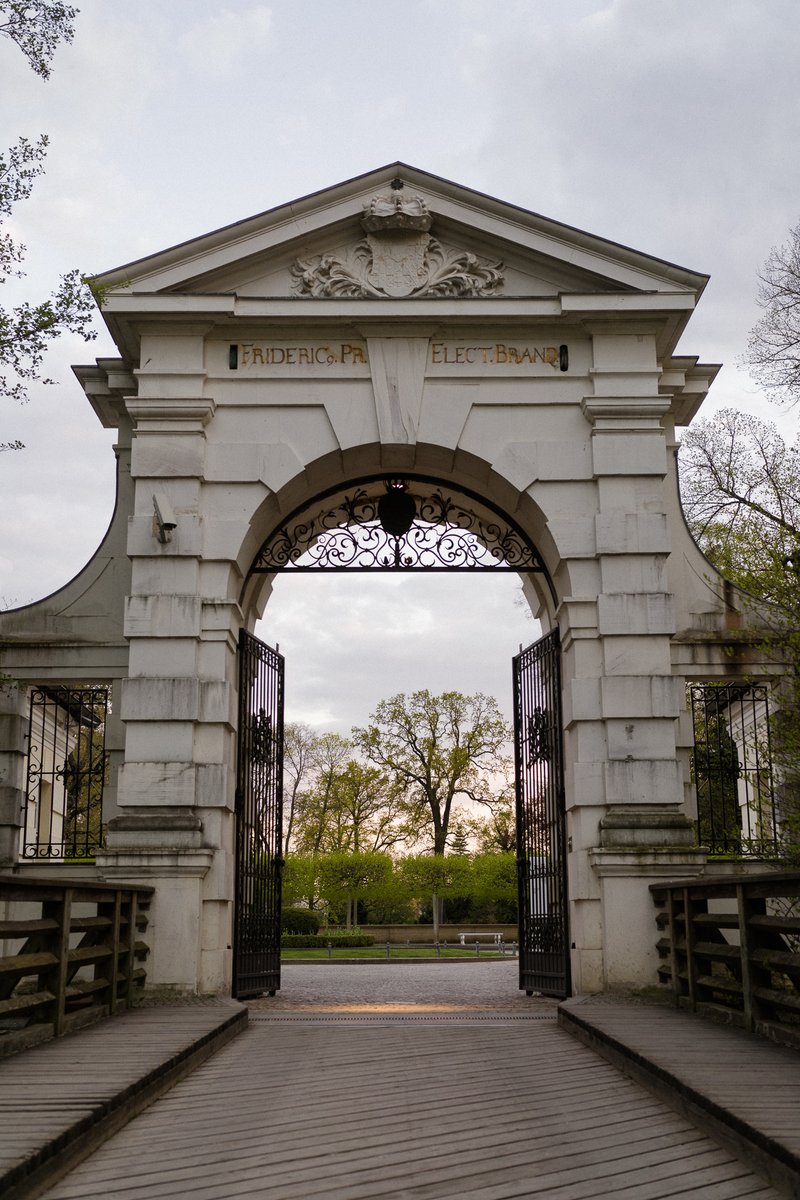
(294, 941)
(300, 920)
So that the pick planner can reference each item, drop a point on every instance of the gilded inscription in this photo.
(493, 354)
(270, 354)
(244, 355)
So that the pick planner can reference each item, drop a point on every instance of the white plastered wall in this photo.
(582, 460)
(579, 460)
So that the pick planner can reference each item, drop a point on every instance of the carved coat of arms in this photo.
(398, 257)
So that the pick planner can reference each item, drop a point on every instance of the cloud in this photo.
(351, 640)
(664, 127)
(220, 43)
(667, 127)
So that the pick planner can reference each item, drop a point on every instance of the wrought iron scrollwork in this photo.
(450, 531)
(259, 819)
(261, 739)
(539, 736)
(541, 819)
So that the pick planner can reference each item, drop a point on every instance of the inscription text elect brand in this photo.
(492, 354)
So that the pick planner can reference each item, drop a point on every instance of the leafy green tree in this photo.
(345, 878)
(494, 885)
(300, 881)
(475, 888)
(26, 330)
(38, 27)
(440, 877)
(393, 903)
(497, 832)
(363, 813)
(433, 750)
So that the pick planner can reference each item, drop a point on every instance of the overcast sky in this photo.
(671, 127)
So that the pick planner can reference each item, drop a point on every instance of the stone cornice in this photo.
(610, 412)
(151, 306)
(651, 861)
(182, 412)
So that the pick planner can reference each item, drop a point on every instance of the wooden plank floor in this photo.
(54, 1096)
(488, 1106)
(740, 1080)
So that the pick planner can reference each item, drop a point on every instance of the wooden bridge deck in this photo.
(737, 1086)
(62, 1099)
(423, 1100)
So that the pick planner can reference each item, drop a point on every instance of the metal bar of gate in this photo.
(259, 820)
(541, 820)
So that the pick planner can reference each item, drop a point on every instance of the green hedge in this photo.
(300, 920)
(319, 941)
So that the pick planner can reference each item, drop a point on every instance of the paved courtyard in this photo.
(420, 1082)
(450, 986)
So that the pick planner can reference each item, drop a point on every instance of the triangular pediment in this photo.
(450, 241)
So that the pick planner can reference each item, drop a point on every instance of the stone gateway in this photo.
(395, 327)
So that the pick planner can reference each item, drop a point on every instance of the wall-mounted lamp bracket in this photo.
(163, 518)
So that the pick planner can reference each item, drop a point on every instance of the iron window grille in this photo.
(732, 770)
(67, 769)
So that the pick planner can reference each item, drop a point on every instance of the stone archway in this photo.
(407, 523)
(462, 340)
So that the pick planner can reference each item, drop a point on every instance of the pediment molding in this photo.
(462, 222)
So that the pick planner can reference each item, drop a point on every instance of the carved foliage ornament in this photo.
(398, 258)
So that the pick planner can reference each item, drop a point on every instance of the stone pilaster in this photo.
(13, 731)
(173, 826)
(638, 847)
(622, 702)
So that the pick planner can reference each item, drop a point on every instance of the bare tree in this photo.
(773, 348)
(299, 760)
(331, 752)
(497, 833)
(740, 487)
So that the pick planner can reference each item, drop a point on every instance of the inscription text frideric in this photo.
(301, 354)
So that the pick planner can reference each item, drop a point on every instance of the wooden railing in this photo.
(731, 947)
(68, 955)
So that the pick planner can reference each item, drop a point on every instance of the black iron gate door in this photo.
(259, 820)
(541, 820)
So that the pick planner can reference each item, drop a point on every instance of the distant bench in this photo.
(473, 937)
